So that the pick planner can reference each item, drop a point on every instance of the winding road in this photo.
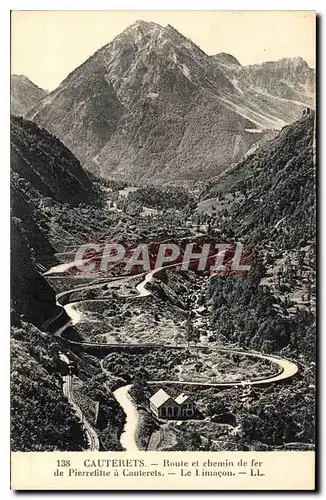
(286, 368)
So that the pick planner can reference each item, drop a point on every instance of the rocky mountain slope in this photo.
(24, 94)
(289, 78)
(51, 198)
(42, 161)
(32, 298)
(43, 173)
(151, 105)
(275, 90)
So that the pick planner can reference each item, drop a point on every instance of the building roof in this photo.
(159, 398)
(181, 399)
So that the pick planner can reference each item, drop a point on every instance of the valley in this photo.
(119, 330)
(150, 144)
(203, 359)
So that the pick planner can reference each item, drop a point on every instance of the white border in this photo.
(166, 5)
(4, 184)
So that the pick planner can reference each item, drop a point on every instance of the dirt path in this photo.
(127, 438)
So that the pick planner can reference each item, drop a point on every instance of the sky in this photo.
(47, 45)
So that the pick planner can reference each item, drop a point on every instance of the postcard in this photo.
(163, 250)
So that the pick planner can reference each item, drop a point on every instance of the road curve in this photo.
(287, 368)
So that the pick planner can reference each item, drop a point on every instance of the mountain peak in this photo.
(19, 77)
(22, 79)
(24, 94)
(224, 58)
(295, 61)
(145, 25)
(141, 105)
(138, 34)
(285, 62)
(141, 28)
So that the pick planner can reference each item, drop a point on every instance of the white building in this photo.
(164, 406)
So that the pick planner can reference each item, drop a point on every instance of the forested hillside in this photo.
(49, 167)
(272, 308)
(41, 419)
(31, 294)
(44, 176)
(43, 173)
(276, 189)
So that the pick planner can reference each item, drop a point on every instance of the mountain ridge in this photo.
(46, 164)
(151, 104)
(43, 174)
(24, 94)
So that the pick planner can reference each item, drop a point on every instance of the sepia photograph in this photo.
(163, 233)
